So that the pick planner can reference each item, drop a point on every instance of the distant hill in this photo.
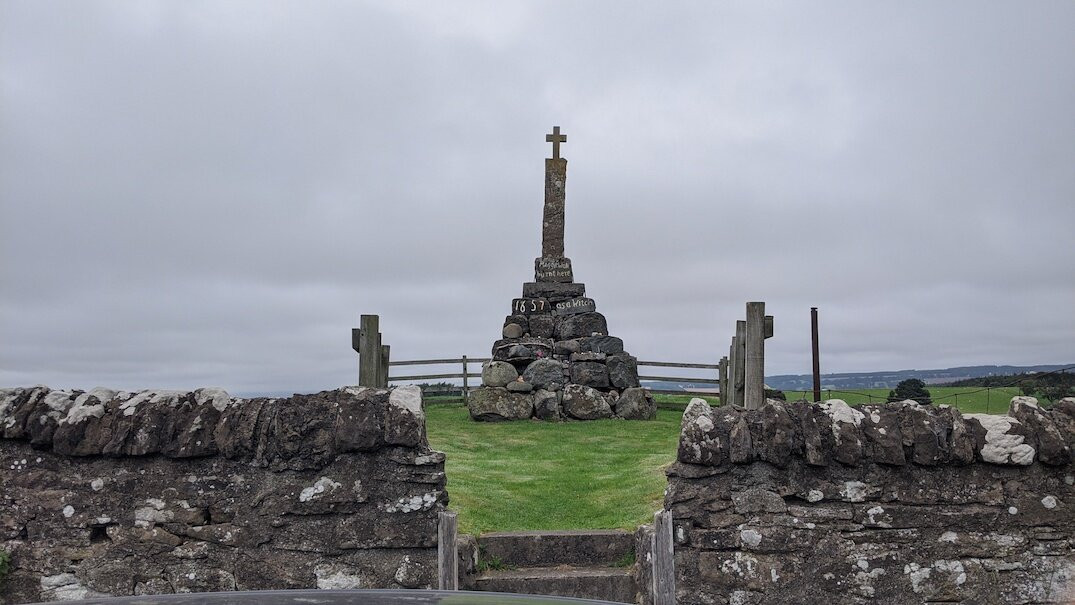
(879, 380)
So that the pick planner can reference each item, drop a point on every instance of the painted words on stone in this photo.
(529, 306)
(575, 305)
(556, 269)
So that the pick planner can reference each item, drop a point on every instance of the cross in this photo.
(556, 138)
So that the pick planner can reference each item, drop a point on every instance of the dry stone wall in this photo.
(893, 503)
(114, 493)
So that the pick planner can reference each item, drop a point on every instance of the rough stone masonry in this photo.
(556, 360)
(894, 503)
(117, 493)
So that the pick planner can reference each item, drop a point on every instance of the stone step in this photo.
(616, 584)
(576, 548)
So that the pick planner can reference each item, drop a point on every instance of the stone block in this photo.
(584, 403)
(580, 326)
(590, 373)
(489, 404)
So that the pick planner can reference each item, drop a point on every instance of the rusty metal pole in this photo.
(817, 359)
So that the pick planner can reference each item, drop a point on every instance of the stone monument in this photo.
(556, 360)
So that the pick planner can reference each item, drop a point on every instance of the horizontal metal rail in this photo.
(669, 364)
(681, 379)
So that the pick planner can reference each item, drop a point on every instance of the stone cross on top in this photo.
(556, 138)
(552, 224)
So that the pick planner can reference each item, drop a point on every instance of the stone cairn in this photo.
(556, 360)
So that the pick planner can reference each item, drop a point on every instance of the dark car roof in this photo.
(339, 597)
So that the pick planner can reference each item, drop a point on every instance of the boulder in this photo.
(547, 404)
(623, 371)
(513, 330)
(497, 404)
(519, 386)
(585, 403)
(541, 326)
(609, 345)
(590, 374)
(636, 404)
(567, 347)
(580, 326)
(508, 349)
(522, 320)
(544, 372)
(498, 373)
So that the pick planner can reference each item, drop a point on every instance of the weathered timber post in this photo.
(817, 357)
(385, 349)
(723, 376)
(741, 357)
(465, 383)
(447, 551)
(369, 351)
(733, 365)
(664, 568)
(754, 371)
(728, 398)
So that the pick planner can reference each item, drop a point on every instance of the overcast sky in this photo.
(202, 194)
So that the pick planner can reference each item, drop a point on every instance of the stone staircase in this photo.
(592, 564)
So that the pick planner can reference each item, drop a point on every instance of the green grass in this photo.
(5, 565)
(531, 475)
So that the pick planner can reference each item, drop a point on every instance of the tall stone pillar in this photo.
(552, 223)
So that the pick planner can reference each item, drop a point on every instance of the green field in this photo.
(603, 474)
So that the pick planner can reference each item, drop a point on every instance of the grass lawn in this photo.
(602, 474)
(509, 476)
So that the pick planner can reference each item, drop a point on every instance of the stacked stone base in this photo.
(557, 361)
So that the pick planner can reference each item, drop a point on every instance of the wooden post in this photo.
(722, 370)
(730, 398)
(369, 351)
(465, 389)
(814, 349)
(754, 371)
(664, 567)
(447, 552)
(741, 357)
(733, 365)
(385, 349)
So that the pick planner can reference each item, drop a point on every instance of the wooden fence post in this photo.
(385, 350)
(465, 383)
(740, 363)
(369, 351)
(754, 368)
(447, 551)
(664, 567)
(723, 375)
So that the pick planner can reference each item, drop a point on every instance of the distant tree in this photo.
(1050, 386)
(912, 388)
